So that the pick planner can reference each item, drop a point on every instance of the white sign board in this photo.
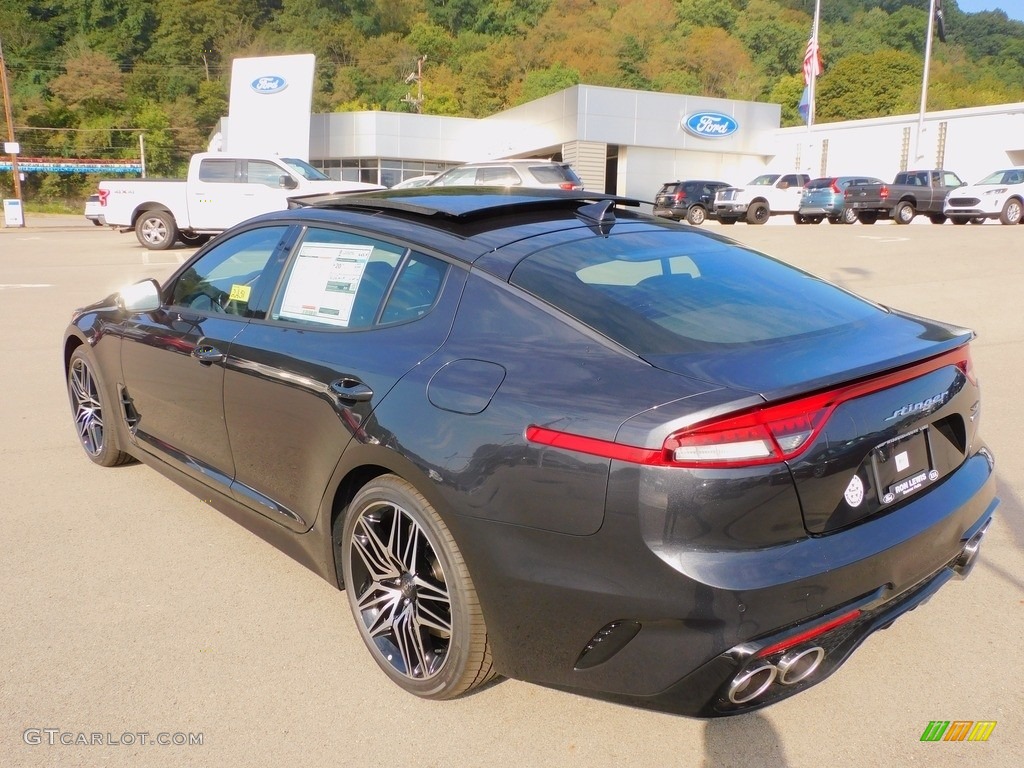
(13, 216)
(12, 148)
(271, 102)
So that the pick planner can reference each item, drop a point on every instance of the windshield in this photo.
(1009, 176)
(304, 169)
(764, 181)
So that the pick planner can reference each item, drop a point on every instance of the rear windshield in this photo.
(819, 184)
(671, 292)
(554, 174)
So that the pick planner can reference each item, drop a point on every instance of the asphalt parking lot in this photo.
(132, 610)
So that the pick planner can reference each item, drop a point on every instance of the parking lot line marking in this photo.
(25, 285)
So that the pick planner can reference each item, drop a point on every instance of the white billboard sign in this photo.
(271, 101)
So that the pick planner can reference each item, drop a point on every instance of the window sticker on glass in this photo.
(324, 281)
(240, 292)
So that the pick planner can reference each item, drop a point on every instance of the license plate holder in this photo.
(903, 466)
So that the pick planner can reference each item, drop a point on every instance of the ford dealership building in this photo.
(622, 141)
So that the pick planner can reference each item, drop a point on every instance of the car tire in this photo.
(836, 220)
(1011, 213)
(904, 212)
(816, 219)
(867, 217)
(727, 220)
(800, 219)
(156, 230)
(937, 218)
(410, 592)
(94, 418)
(978, 220)
(958, 220)
(848, 216)
(758, 213)
(696, 215)
(193, 240)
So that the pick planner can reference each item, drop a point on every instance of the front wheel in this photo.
(1011, 213)
(410, 592)
(696, 215)
(848, 216)
(94, 418)
(758, 213)
(958, 220)
(156, 230)
(903, 213)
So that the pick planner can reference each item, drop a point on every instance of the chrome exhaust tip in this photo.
(969, 556)
(750, 684)
(799, 665)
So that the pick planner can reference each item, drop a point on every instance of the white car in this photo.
(94, 210)
(415, 181)
(999, 195)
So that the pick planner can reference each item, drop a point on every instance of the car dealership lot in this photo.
(133, 608)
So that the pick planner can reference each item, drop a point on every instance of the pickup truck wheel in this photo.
(1011, 212)
(758, 213)
(867, 217)
(696, 215)
(848, 216)
(156, 230)
(904, 213)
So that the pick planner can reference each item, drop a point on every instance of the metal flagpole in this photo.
(924, 79)
(817, 53)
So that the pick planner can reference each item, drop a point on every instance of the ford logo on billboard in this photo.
(710, 125)
(269, 84)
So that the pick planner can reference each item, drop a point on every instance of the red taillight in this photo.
(883, 192)
(680, 195)
(569, 185)
(765, 435)
(810, 634)
(102, 194)
(835, 187)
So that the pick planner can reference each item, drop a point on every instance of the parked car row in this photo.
(936, 193)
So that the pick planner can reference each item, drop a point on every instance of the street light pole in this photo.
(10, 122)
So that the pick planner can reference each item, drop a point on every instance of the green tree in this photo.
(869, 85)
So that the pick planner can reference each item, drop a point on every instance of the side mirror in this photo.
(143, 296)
(287, 182)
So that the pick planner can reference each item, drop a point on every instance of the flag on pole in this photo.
(812, 68)
(940, 21)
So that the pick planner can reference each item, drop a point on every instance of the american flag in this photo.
(812, 60)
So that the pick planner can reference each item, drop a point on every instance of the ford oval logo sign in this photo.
(269, 84)
(710, 125)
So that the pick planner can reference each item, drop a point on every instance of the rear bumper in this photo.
(670, 627)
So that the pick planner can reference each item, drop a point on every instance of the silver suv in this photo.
(511, 173)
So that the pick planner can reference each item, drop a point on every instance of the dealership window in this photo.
(376, 170)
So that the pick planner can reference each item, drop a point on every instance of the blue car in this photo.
(824, 199)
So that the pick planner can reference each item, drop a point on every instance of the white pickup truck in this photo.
(221, 190)
(765, 196)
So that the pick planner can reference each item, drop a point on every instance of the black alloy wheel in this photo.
(758, 213)
(88, 405)
(410, 592)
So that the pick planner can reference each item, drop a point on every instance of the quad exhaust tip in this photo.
(795, 666)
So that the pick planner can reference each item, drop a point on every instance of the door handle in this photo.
(207, 354)
(350, 390)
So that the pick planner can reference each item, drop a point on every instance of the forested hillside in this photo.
(88, 76)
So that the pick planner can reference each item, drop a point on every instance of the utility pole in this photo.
(417, 77)
(924, 81)
(10, 122)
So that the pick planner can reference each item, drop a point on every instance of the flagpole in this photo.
(924, 79)
(810, 93)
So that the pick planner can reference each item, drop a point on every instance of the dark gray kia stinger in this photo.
(539, 434)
